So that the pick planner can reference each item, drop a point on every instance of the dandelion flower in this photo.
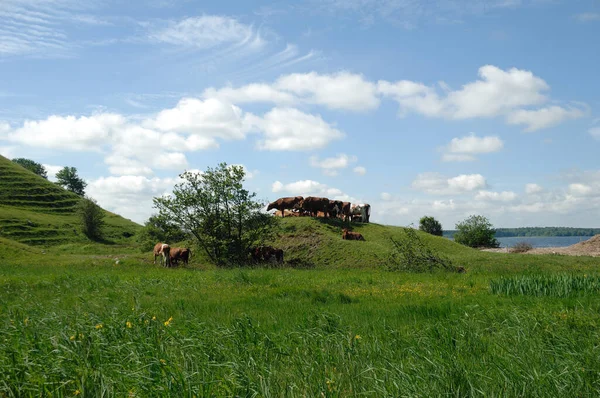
(129, 325)
(357, 337)
(77, 392)
(154, 318)
(72, 338)
(26, 321)
(168, 321)
(163, 361)
(99, 326)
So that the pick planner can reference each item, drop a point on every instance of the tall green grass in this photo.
(554, 285)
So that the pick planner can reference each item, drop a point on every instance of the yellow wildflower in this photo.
(163, 361)
(72, 338)
(26, 321)
(80, 336)
(154, 318)
(77, 392)
(129, 324)
(146, 322)
(357, 337)
(99, 326)
(168, 321)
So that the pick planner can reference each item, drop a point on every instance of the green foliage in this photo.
(159, 229)
(67, 178)
(215, 208)
(430, 225)
(32, 166)
(539, 231)
(557, 285)
(411, 254)
(91, 218)
(476, 231)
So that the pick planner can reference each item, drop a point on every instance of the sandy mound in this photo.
(590, 247)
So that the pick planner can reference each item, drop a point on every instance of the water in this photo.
(542, 241)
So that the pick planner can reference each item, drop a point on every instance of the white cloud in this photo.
(130, 196)
(464, 149)
(595, 132)
(360, 170)
(533, 189)
(251, 93)
(51, 171)
(307, 188)
(331, 166)
(504, 196)
(544, 117)
(437, 184)
(580, 189)
(385, 196)
(288, 129)
(206, 31)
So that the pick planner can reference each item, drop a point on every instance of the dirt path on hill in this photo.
(590, 247)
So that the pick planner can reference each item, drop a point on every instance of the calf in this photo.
(180, 253)
(164, 250)
(347, 235)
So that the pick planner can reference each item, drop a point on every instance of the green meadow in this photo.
(79, 318)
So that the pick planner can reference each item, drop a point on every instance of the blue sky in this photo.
(418, 107)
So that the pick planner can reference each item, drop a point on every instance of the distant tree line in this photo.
(537, 231)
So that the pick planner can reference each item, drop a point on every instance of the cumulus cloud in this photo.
(504, 196)
(288, 129)
(360, 170)
(544, 117)
(385, 196)
(438, 184)
(331, 166)
(580, 189)
(307, 188)
(533, 189)
(51, 171)
(595, 132)
(465, 148)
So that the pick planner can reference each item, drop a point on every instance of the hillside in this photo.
(35, 211)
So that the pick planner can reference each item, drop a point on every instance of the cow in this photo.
(287, 213)
(180, 253)
(266, 253)
(335, 208)
(313, 205)
(345, 213)
(361, 211)
(163, 250)
(347, 235)
(285, 203)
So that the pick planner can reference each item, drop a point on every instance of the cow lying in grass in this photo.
(163, 250)
(180, 253)
(347, 235)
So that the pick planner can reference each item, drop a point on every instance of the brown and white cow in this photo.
(314, 204)
(163, 250)
(180, 253)
(335, 208)
(361, 212)
(285, 203)
(345, 213)
(266, 253)
(348, 235)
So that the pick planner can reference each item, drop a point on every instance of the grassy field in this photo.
(81, 318)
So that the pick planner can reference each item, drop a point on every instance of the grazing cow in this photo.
(347, 235)
(335, 208)
(361, 211)
(266, 253)
(313, 205)
(163, 250)
(345, 213)
(285, 203)
(180, 253)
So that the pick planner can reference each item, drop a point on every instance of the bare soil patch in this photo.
(590, 247)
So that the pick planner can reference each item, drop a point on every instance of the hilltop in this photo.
(35, 211)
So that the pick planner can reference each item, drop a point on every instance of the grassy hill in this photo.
(35, 211)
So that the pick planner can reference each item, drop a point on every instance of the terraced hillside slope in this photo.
(36, 211)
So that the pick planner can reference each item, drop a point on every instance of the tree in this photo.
(159, 229)
(32, 166)
(91, 218)
(67, 178)
(430, 225)
(476, 231)
(215, 208)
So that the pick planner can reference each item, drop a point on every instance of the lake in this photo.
(542, 241)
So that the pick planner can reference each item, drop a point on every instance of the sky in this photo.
(417, 107)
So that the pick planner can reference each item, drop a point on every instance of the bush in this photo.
(411, 254)
(431, 226)
(476, 231)
(521, 247)
(91, 218)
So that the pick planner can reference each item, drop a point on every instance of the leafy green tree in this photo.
(476, 231)
(214, 207)
(67, 178)
(159, 229)
(430, 225)
(32, 166)
(91, 218)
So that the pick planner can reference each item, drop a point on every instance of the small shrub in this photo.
(91, 218)
(411, 254)
(431, 226)
(521, 247)
(476, 231)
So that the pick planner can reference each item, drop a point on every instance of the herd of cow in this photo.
(292, 206)
(321, 207)
(170, 256)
